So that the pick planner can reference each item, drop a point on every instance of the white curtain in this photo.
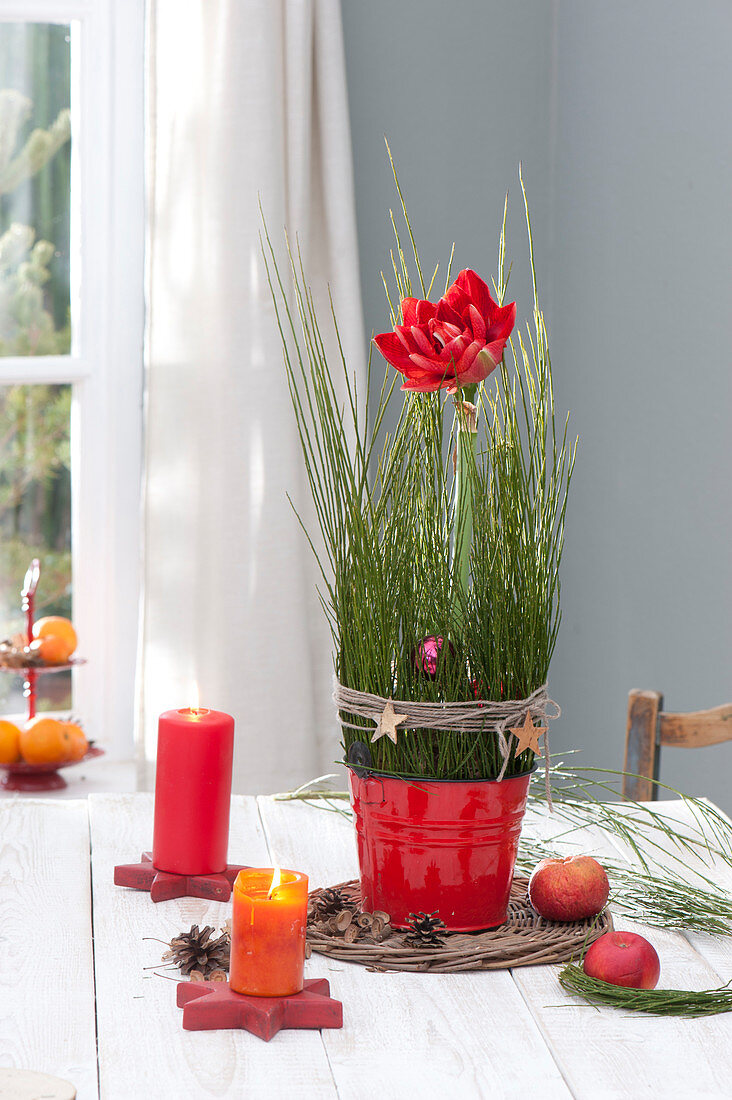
(247, 100)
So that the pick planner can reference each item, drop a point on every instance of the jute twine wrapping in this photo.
(481, 716)
(526, 939)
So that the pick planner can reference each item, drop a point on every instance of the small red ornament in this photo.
(427, 653)
(208, 1006)
(477, 687)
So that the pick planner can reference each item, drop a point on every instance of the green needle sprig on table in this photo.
(654, 1002)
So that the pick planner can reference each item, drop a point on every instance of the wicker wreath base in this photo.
(526, 939)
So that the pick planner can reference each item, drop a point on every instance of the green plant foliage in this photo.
(34, 419)
(397, 560)
(34, 497)
(26, 326)
(21, 160)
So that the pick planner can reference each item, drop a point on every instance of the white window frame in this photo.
(106, 360)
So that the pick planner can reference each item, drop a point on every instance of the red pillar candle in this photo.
(193, 791)
(268, 932)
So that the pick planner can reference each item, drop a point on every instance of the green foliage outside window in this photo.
(35, 492)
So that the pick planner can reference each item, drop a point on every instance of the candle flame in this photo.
(195, 704)
(276, 881)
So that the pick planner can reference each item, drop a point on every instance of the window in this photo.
(71, 322)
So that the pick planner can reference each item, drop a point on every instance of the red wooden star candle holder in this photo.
(163, 885)
(209, 1006)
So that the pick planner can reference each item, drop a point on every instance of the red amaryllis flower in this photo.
(456, 342)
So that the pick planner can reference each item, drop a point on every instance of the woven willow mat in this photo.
(526, 939)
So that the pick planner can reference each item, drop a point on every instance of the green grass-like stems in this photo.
(654, 1002)
(588, 796)
(390, 544)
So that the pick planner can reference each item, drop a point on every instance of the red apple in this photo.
(623, 958)
(568, 889)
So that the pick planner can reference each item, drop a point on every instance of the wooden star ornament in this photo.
(388, 723)
(527, 736)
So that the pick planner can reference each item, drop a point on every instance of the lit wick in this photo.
(276, 881)
(195, 709)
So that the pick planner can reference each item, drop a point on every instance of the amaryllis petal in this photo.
(495, 349)
(409, 311)
(444, 331)
(425, 381)
(425, 311)
(429, 365)
(391, 347)
(455, 350)
(446, 312)
(457, 300)
(421, 339)
(477, 322)
(477, 291)
(503, 323)
(417, 311)
(479, 368)
(471, 353)
(422, 387)
(404, 336)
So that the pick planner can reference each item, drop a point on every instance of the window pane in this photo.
(35, 150)
(35, 522)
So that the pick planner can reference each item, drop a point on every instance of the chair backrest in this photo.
(649, 727)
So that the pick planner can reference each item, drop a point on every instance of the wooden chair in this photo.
(649, 727)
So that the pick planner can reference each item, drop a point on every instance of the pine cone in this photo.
(329, 902)
(197, 951)
(426, 930)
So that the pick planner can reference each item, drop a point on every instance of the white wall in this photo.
(620, 113)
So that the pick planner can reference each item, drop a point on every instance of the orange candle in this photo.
(268, 932)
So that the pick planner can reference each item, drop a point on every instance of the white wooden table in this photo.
(78, 998)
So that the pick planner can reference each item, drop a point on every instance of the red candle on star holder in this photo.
(193, 791)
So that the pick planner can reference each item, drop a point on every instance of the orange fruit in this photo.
(9, 742)
(52, 649)
(44, 741)
(77, 743)
(61, 629)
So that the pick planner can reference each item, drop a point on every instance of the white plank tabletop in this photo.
(83, 996)
(46, 960)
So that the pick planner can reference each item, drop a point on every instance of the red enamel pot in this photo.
(442, 846)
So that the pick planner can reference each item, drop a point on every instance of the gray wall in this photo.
(620, 113)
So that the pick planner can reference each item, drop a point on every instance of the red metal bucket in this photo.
(438, 845)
